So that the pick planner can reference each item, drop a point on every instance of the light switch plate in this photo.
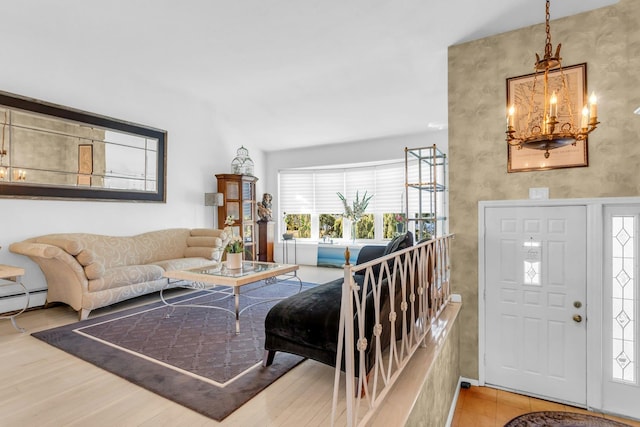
(540, 193)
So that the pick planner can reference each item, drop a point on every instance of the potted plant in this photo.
(235, 247)
(356, 212)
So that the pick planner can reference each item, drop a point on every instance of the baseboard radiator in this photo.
(12, 302)
(419, 276)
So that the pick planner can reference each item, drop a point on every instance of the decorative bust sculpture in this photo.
(264, 207)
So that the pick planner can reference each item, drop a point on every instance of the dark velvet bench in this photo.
(307, 323)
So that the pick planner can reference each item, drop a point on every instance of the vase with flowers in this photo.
(235, 247)
(355, 212)
(400, 222)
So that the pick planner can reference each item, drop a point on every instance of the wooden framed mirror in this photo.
(51, 151)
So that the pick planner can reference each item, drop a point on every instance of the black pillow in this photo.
(424, 239)
(398, 243)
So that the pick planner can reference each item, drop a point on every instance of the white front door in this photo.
(621, 307)
(535, 298)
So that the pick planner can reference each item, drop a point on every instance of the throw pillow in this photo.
(398, 243)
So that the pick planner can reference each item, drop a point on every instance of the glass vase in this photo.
(354, 227)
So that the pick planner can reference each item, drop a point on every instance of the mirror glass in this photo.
(52, 151)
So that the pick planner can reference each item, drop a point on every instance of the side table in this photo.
(285, 251)
(12, 276)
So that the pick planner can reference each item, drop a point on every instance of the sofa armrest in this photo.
(41, 250)
(212, 232)
(66, 278)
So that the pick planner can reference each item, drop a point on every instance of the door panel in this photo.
(535, 268)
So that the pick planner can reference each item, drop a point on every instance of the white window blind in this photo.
(390, 184)
(296, 192)
(361, 180)
(315, 191)
(327, 183)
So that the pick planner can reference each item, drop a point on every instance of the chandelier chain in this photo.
(548, 47)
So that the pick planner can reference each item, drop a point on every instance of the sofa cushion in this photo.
(181, 263)
(95, 270)
(203, 241)
(160, 245)
(310, 318)
(370, 252)
(126, 276)
(86, 257)
(202, 252)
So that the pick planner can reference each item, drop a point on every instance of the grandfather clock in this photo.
(239, 193)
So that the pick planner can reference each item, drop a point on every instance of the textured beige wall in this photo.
(434, 401)
(608, 40)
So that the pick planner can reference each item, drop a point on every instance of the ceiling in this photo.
(287, 73)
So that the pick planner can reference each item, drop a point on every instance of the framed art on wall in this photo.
(519, 94)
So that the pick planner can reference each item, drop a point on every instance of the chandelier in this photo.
(552, 124)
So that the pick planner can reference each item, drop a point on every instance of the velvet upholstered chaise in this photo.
(307, 323)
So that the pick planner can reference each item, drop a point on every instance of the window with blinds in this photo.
(314, 193)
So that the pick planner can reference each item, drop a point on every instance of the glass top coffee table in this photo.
(208, 278)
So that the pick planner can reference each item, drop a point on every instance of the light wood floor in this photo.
(41, 385)
(488, 407)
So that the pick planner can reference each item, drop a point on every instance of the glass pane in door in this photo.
(233, 190)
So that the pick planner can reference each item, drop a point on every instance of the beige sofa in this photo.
(89, 271)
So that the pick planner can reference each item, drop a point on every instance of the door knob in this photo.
(577, 318)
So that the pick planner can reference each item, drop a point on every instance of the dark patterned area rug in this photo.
(561, 419)
(190, 355)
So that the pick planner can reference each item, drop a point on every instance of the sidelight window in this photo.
(623, 284)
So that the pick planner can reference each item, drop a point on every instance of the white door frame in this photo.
(595, 291)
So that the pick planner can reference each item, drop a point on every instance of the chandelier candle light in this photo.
(549, 130)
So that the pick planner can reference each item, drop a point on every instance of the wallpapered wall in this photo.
(608, 40)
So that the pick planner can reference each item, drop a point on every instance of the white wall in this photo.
(195, 149)
(198, 147)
